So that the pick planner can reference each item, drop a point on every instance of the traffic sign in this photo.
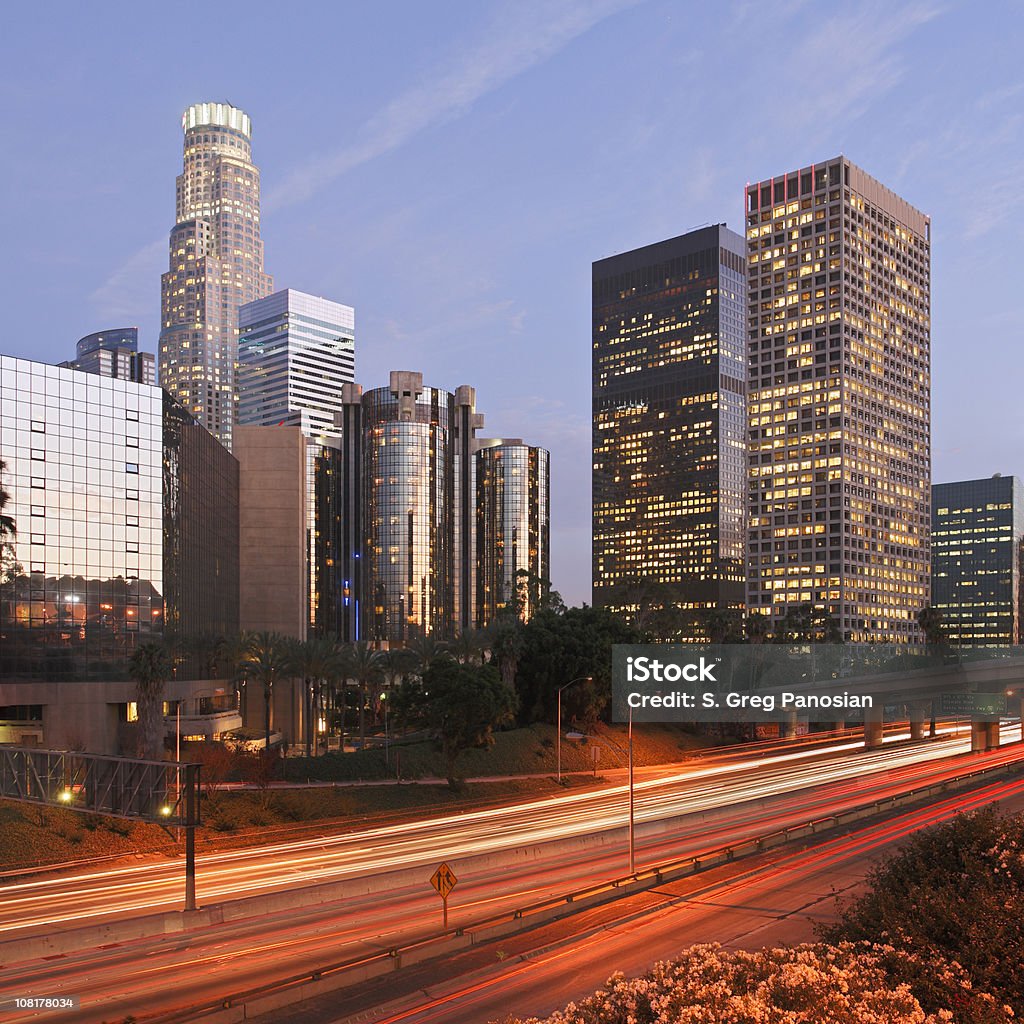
(974, 704)
(443, 880)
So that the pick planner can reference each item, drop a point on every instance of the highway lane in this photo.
(212, 962)
(109, 893)
(776, 905)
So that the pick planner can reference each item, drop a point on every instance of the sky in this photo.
(452, 169)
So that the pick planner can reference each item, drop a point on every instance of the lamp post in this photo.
(629, 755)
(558, 731)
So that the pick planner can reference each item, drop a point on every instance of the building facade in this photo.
(296, 353)
(417, 481)
(513, 526)
(669, 421)
(126, 513)
(977, 535)
(839, 400)
(114, 353)
(215, 264)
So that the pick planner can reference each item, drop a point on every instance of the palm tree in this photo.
(364, 665)
(266, 658)
(469, 646)
(426, 650)
(150, 667)
(318, 660)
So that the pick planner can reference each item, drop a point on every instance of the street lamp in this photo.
(558, 731)
(632, 816)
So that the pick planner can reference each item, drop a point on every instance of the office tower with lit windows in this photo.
(114, 353)
(977, 537)
(839, 400)
(296, 353)
(215, 266)
(418, 489)
(669, 382)
(513, 523)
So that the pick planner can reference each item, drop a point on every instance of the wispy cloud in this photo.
(850, 59)
(128, 294)
(524, 36)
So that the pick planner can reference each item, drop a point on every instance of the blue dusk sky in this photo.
(452, 169)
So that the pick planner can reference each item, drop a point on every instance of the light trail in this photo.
(696, 789)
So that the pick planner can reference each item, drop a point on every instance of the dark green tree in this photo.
(554, 648)
(150, 666)
(266, 659)
(460, 705)
(806, 624)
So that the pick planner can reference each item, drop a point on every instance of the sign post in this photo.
(988, 705)
(444, 880)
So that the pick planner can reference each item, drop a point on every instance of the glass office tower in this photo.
(513, 523)
(296, 353)
(215, 266)
(977, 538)
(840, 400)
(416, 443)
(669, 424)
(114, 353)
(126, 514)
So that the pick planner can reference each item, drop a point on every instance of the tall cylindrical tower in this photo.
(215, 264)
(513, 513)
(408, 490)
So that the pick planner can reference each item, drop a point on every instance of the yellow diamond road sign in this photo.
(443, 880)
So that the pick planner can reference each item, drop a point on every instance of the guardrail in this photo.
(250, 1003)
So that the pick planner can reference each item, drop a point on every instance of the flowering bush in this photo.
(951, 901)
(810, 984)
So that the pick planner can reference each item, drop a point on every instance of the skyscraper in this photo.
(418, 490)
(215, 266)
(513, 524)
(114, 353)
(296, 353)
(839, 400)
(669, 423)
(977, 537)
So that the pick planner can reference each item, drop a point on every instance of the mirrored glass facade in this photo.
(111, 538)
(513, 513)
(977, 538)
(669, 421)
(408, 489)
(115, 353)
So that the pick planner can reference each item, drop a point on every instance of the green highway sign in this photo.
(974, 704)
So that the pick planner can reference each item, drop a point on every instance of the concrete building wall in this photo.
(272, 529)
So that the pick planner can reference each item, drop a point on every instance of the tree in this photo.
(266, 658)
(150, 667)
(365, 666)
(320, 663)
(426, 651)
(953, 894)
(469, 646)
(755, 627)
(553, 648)
(806, 624)
(461, 706)
(930, 620)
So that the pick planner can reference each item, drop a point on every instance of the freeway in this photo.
(725, 782)
(778, 902)
(210, 962)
